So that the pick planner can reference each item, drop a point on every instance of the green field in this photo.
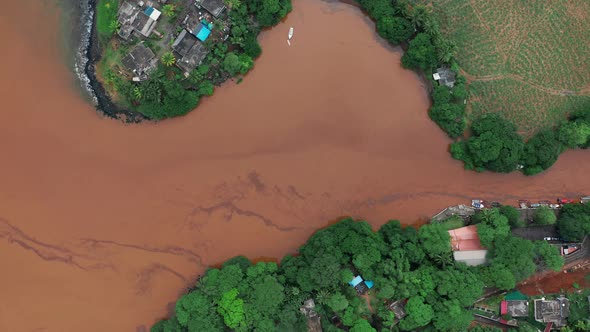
(529, 60)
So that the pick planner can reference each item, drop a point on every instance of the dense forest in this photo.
(414, 266)
(494, 143)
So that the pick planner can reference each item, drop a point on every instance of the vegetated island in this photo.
(348, 277)
(495, 142)
(159, 58)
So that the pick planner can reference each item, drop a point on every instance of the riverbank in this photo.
(103, 219)
(339, 264)
(163, 67)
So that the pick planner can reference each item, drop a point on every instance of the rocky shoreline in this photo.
(89, 53)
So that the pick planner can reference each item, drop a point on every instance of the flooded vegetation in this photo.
(102, 219)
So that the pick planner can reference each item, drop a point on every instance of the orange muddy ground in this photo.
(557, 282)
(103, 224)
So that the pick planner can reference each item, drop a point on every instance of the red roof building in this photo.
(465, 238)
(466, 246)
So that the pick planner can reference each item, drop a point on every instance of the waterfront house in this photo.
(126, 16)
(466, 246)
(190, 51)
(132, 18)
(215, 7)
(145, 22)
(552, 311)
(444, 76)
(141, 60)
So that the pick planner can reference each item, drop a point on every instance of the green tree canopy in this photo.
(513, 216)
(493, 225)
(435, 239)
(419, 314)
(231, 308)
(544, 216)
(420, 54)
(394, 29)
(541, 152)
(548, 256)
(495, 145)
(337, 302)
(516, 254)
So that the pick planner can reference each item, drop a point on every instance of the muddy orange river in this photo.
(103, 224)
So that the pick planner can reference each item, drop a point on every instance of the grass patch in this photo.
(453, 222)
(106, 19)
(524, 59)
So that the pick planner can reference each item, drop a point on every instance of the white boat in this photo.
(290, 33)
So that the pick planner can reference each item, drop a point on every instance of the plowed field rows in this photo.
(529, 60)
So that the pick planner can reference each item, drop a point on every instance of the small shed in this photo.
(215, 7)
(445, 76)
(202, 32)
(361, 285)
(399, 309)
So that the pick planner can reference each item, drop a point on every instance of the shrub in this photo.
(544, 216)
(106, 19)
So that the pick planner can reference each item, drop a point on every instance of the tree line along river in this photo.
(102, 223)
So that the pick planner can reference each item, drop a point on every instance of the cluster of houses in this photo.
(551, 312)
(140, 19)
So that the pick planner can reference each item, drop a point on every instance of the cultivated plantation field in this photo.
(529, 60)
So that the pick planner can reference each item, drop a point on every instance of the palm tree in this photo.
(233, 4)
(322, 296)
(446, 50)
(169, 10)
(432, 28)
(168, 59)
(443, 260)
(114, 26)
(137, 93)
(419, 15)
(404, 8)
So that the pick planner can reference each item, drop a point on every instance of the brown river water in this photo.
(103, 224)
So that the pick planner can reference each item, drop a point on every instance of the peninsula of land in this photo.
(158, 58)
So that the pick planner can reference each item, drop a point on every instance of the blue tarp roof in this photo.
(369, 284)
(357, 280)
(202, 32)
(148, 11)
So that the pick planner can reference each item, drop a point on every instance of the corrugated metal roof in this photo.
(471, 257)
(357, 280)
(465, 238)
